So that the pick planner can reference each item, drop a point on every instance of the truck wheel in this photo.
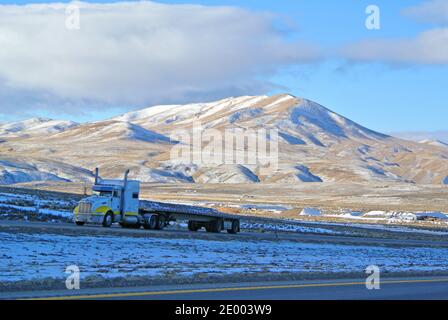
(160, 222)
(218, 226)
(192, 226)
(235, 228)
(136, 226)
(152, 223)
(108, 219)
(80, 223)
(214, 226)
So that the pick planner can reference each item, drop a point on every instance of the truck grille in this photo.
(85, 207)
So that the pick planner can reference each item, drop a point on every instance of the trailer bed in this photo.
(183, 209)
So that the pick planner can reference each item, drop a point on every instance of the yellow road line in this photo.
(298, 286)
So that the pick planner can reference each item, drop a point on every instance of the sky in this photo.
(124, 56)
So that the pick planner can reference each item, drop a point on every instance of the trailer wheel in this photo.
(108, 219)
(160, 222)
(218, 226)
(235, 227)
(192, 226)
(214, 226)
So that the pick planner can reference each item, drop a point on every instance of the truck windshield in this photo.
(102, 193)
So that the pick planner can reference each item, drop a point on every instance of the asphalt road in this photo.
(390, 289)
(69, 228)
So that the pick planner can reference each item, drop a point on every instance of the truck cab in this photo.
(111, 201)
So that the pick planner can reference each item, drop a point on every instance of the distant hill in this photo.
(441, 136)
(315, 145)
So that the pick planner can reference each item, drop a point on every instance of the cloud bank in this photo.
(427, 48)
(137, 53)
(430, 48)
(435, 11)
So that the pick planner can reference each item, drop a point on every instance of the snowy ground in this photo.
(50, 208)
(285, 227)
(28, 257)
(390, 216)
(41, 206)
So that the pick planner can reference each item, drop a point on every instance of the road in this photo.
(68, 229)
(355, 289)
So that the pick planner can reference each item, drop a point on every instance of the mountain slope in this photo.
(298, 120)
(315, 145)
(417, 136)
(19, 170)
(436, 143)
(111, 130)
(35, 126)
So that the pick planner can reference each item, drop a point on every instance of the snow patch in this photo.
(245, 115)
(406, 216)
(38, 256)
(445, 181)
(305, 174)
(291, 139)
(311, 212)
(35, 126)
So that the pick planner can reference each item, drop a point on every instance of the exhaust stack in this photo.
(96, 176)
(122, 202)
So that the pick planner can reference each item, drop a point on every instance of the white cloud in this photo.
(429, 47)
(137, 53)
(435, 11)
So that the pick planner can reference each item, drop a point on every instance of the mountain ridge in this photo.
(315, 145)
(35, 126)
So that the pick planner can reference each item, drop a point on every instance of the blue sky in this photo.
(379, 91)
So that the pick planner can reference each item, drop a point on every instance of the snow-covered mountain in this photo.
(109, 131)
(441, 136)
(436, 143)
(315, 145)
(35, 126)
(301, 121)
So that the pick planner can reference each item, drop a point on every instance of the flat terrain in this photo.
(286, 201)
(330, 196)
(374, 239)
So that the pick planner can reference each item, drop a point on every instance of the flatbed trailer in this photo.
(117, 201)
(197, 217)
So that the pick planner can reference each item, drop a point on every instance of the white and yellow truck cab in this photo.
(117, 201)
(111, 201)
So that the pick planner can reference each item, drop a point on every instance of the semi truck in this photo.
(118, 201)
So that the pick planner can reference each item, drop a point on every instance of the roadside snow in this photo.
(29, 203)
(405, 216)
(288, 228)
(57, 213)
(311, 212)
(264, 207)
(27, 256)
